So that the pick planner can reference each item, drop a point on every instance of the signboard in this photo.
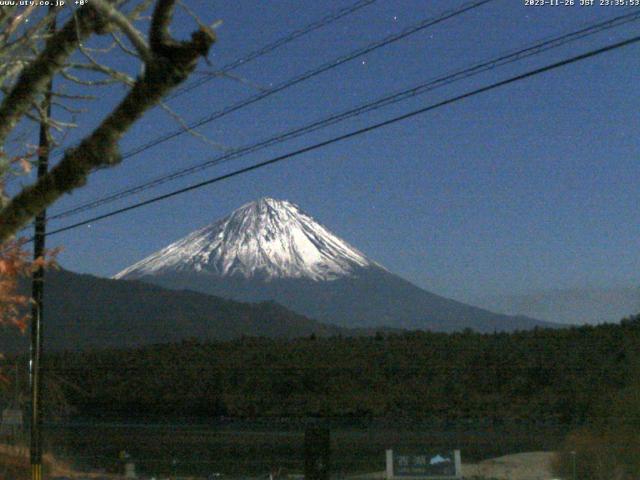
(424, 465)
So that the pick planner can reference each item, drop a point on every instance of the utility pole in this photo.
(317, 453)
(37, 286)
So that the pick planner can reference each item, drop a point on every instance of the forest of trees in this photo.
(550, 376)
(529, 390)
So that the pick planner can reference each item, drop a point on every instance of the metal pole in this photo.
(317, 453)
(37, 288)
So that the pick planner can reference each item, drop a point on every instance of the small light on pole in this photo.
(573, 458)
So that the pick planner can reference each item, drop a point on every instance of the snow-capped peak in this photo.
(267, 238)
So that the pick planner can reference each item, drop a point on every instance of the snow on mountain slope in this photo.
(270, 250)
(266, 239)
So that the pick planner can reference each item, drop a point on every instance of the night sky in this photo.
(529, 187)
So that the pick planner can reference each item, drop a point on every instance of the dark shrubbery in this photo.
(609, 447)
(523, 378)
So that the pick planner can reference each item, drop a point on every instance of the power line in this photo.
(324, 21)
(310, 74)
(364, 108)
(360, 131)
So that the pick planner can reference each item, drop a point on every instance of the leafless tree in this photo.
(30, 57)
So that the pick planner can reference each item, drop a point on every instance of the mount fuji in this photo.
(267, 239)
(271, 250)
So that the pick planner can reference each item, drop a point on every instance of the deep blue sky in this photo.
(529, 187)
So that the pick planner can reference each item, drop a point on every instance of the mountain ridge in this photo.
(396, 303)
(83, 311)
(269, 238)
(589, 305)
(271, 250)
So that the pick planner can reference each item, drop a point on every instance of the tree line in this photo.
(548, 376)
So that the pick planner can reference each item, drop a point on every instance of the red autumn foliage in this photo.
(15, 263)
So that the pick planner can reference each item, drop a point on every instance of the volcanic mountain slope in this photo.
(271, 250)
(83, 311)
(267, 239)
(571, 306)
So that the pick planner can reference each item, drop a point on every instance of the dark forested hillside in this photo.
(535, 376)
(84, 311)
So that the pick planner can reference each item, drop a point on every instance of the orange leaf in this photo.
(25, 165)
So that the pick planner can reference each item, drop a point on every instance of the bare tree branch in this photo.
(123, 23)
(87, 83)
(139, 9)
(122, 46)
(15, 22)
(171, 63)
(235, 78)
(68, 109)
(193, 132)
(77, 97)
(35, 77)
